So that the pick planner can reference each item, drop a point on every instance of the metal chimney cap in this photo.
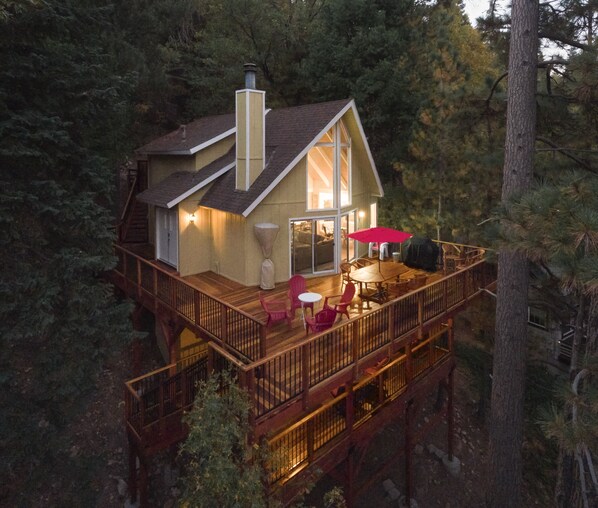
(250, 72)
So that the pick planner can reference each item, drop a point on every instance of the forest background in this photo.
(82, 83)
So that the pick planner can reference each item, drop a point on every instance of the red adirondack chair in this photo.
(276, 309)
(297, 286)
(323, 320)
(340, 303)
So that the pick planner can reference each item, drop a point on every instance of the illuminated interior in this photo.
(329, 170)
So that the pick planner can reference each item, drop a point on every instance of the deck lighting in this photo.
(192, 217)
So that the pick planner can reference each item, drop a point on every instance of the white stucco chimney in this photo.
(251, 134)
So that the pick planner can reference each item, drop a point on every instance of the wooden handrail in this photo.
(185, 283)
(348, 399)
(313, 338)
(129, 200)
(442, 242)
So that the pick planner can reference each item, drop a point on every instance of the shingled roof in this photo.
(194, 136)
(289, 132)
(176, 187)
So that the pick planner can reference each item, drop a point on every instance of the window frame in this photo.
(338, 130)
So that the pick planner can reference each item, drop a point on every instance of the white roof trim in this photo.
(200, 185)
(303, 153)
(197, 148)
(367, 149)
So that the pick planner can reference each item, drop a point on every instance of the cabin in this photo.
(220, 215)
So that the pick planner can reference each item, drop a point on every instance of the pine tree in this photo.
(509, 359)
(63, 104)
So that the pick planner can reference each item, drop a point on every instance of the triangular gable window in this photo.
(329, 170)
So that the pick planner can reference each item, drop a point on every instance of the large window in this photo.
(312, 245)
(347, 245)
(329, 170)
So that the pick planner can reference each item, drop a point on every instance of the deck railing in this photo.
(295, 447)
(155, 402)
(287, 375)
(231, 327)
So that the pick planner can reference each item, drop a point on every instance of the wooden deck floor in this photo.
(280, 335)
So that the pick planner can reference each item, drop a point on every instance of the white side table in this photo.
(308, 297)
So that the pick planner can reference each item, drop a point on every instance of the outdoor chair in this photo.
(345, 273)
(340, 303)
(361, 262)
(419, 281)
(398, 288)
(322, 320)
(276, 309)
(297, 286)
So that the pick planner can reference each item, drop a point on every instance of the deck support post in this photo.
(136, 352)
(450, 416)
(351, 469)
(143, 484)
(132, 472)
(408, 462)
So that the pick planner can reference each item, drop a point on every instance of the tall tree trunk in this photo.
(508, 378)
(576, 347)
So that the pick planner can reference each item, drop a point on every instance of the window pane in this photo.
(320, 178)
(344, 135)
(345, 177)
(328, 137)
(301, 246)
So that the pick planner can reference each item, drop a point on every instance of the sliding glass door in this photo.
(312, 246)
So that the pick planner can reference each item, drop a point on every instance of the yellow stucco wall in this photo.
(225, 243)
(228, 245)
(213, 152)
(195, 250)
(161, 166)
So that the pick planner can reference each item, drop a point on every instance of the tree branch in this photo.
(553, 36)
(565, 152)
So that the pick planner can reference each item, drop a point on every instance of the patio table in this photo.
(377, 274)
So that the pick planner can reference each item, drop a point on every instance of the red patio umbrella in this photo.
(379, 235)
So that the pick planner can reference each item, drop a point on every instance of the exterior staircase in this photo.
(133, 225)
(134, 229)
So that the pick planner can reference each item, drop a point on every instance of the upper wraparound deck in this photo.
(230, 313)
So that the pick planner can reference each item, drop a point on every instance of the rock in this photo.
(170, 476)
(131, 504)
(169, 503)
(388, 484)
(418, 449)
(393, 494)
(122, 487)
(412, 503)
(452, 466)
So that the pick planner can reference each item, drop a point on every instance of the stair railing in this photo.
(126, 213)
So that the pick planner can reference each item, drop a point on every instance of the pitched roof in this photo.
(194, 136)
(176, 187)
(289, 132)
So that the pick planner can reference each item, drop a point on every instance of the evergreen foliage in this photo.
(64, 108)
(221, 470)
(446, 188)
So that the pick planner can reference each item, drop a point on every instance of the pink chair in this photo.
(296, 287)
(323, 320)
(276, 310)
(340, 303)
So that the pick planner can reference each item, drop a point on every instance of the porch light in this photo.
(361, 214)
(191, 217)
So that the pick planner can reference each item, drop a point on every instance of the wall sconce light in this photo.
(191, 217)
(361, 214)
